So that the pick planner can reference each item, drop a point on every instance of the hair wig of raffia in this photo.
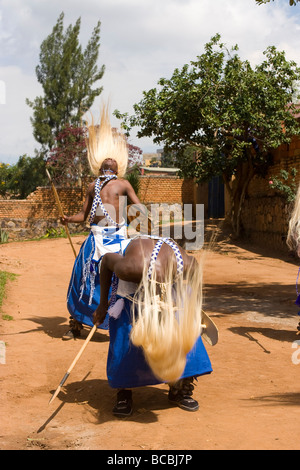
(167, 321)
(106, 142)
(293, 236)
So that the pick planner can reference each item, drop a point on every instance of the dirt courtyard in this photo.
(250, 401)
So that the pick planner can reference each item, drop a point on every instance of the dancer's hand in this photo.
(100, 313)
(64, 219)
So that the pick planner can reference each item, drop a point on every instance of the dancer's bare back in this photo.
(114, 195)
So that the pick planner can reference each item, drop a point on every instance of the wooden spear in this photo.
(73, 363)
(61, 213)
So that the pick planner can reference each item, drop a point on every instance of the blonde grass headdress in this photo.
(167, 324)
(106, 142)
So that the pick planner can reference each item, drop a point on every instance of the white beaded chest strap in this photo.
(98, 202)
(156, 250)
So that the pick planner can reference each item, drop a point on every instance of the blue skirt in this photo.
(126, 364)
(83, 295)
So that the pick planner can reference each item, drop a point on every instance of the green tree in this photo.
(24, 177)
(222, 116)
(5, 175)
(133, 176)
(67, 75)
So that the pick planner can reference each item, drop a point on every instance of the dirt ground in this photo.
(250, 401)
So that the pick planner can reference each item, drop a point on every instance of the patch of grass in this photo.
(53, 233)
(3, 236)
(4, 277)
(7, 317)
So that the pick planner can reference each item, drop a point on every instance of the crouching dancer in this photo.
(293, 241)
(155, 320)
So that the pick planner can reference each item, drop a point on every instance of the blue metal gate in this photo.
(216, 204)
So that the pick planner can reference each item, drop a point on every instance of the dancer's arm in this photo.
(129, 268)
(82, 215)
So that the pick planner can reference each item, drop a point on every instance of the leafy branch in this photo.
(283, 185)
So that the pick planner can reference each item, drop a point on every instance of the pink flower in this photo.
(270, 182)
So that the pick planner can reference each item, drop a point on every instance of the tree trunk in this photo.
(237, 190)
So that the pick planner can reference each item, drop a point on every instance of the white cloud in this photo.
(16, 130)
(141, 41)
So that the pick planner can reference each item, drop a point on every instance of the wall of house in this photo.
(266, 214)
(32, 217)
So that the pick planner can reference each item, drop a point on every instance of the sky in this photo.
(141, 42)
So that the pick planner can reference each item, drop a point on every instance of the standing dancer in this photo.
(155, 321)
(105, 201)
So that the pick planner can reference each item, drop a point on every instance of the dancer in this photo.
(105, 201)
(293, 240)
(155, 321)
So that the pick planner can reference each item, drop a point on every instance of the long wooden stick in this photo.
(73, 363)
(61, 213)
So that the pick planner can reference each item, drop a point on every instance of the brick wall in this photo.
(166, 189)
(33, 216)
(265, 214)
(41, 204)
